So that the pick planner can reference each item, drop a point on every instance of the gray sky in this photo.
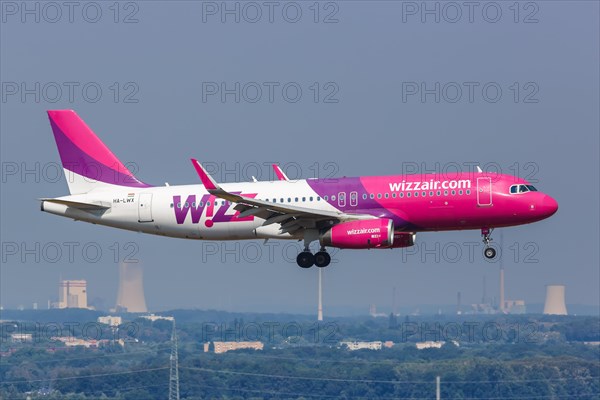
(364, 119)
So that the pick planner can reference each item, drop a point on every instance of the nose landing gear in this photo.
(489, 252)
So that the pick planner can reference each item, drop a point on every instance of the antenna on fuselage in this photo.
(479, 169)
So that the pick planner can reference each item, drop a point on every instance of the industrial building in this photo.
(72, 294)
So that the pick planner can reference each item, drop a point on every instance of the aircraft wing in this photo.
(291, 218)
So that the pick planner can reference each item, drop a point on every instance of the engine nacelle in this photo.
(402, 239)
(365, 234)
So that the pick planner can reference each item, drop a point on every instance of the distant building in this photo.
(373, 311)
(362, 345)
(429, 345)
(223, 347)
(153, 317)
(515, 307)
(72, 294)
(21, 337)
(110, 320)
(71, 341)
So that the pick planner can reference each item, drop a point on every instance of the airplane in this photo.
(376, 212)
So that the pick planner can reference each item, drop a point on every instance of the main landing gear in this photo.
(489, 252)
(306, 259)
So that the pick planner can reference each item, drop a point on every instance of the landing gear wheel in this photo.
(489, 252)
(305, 259)
(322, 259)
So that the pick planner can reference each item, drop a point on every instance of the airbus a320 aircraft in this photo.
(379, 212)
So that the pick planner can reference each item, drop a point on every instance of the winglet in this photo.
(207, 180)
(279, 172)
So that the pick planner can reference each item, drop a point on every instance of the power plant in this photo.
(72, 294)
(555, 300)
(130, 297)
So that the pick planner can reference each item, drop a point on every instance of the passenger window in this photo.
(416, 194)
(371, 196)
(394, 195)
(364, 196)
(401, 194)
(408, 194)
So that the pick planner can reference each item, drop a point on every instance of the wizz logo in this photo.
(216, 209)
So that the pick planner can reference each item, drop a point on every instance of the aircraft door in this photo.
(484, 192)
(145, 207)
(353, 199)
(342, 199)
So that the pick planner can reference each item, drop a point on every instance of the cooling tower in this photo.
(131, 288)
(555, 300)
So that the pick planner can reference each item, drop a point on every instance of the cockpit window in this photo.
(522, 189)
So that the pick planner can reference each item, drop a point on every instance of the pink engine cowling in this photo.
(365, 234)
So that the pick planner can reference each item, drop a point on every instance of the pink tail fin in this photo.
(88, 163)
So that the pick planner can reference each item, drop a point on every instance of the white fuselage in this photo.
(188, 211)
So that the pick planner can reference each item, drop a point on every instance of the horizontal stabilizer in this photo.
(100, 205)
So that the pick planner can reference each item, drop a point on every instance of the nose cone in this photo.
(548, 206)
